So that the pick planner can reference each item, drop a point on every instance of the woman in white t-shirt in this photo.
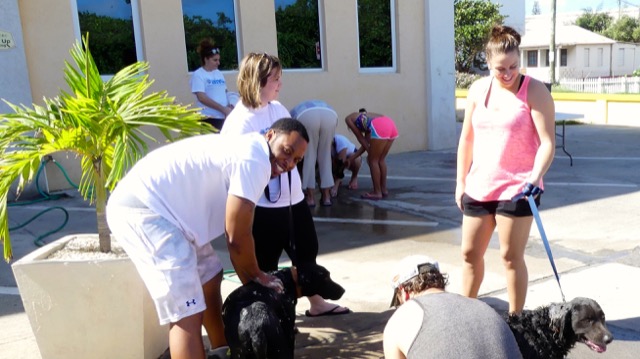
(341, 149)
(259, 82)
(209, 86)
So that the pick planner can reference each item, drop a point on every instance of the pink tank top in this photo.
(504, 146)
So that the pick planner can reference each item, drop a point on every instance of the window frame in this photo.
(547, 63)
(587, 57)
(532, 54)
(564, 55)
(621, 56)
(322, 30)
(600, 56)
(394, 46)
(239, 55)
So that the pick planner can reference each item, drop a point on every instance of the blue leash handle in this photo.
(536, 216)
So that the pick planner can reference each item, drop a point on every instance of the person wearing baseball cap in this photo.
(430, 322)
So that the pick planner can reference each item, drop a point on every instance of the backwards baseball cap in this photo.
(408, 268)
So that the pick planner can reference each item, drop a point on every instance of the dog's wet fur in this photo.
(551, 331)
(259, 322)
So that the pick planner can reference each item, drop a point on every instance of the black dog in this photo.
(259, 322)
(549, 332)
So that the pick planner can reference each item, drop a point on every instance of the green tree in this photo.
(115, 38)
(374, 28)
(298, 32)
(593, 21)
(625, 29)
(197, 28)
(472, 21)
(104, 123)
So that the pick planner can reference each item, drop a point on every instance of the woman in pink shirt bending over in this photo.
(507, 144)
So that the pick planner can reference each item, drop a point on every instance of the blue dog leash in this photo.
(545, 241)
(536, 216)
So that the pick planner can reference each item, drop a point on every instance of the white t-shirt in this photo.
(212, 83)
(343, 142)
(244, 120)
(187, 182)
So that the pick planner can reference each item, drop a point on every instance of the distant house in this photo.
(580, 53)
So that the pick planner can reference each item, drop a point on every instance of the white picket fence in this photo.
(603, 85)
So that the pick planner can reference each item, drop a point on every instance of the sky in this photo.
(579, 5)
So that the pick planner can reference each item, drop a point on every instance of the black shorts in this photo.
(520, 208)
(216, 123)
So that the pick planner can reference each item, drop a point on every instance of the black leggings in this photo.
(271, 235)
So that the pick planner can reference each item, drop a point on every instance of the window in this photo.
(620, 57)
(299, 35)
(587, 53)
(214, 20)
(563, 57)
(600, 56)
(546, 58)
(532, 58)
(113, 27)
(376, 34)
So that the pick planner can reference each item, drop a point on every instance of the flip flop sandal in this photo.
(329, 312)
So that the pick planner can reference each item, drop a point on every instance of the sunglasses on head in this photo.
(215, 51)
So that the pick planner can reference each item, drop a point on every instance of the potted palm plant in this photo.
(106, 125)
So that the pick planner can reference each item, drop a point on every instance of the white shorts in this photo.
(171, 266)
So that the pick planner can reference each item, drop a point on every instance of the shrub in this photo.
(465, 79)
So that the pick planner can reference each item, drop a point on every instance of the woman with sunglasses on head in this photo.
(259, 82)
(210, 87)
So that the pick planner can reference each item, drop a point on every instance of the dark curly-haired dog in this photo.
(549, 332)
(259, 322)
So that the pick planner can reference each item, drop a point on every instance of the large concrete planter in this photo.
(97, 308)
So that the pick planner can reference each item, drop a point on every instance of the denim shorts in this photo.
(519, 208)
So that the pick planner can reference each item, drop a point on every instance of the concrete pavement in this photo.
(591, 214)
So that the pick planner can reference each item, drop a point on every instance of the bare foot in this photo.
(353, 185)
(334, 192)
(371, 196)
(319, 306)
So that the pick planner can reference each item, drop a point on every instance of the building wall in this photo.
(589, 67)
(418, 94)
(631, 59)
(596, 109)
(606, 65)
(14, 81)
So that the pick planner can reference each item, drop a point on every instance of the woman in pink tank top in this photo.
(507, 142)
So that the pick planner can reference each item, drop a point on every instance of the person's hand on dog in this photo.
(269, 281)
(529, 189)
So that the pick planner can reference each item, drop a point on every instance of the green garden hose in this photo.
(44, 197)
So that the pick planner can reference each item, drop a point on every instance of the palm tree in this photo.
(103, 122)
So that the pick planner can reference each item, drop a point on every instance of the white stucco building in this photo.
(579, 53)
